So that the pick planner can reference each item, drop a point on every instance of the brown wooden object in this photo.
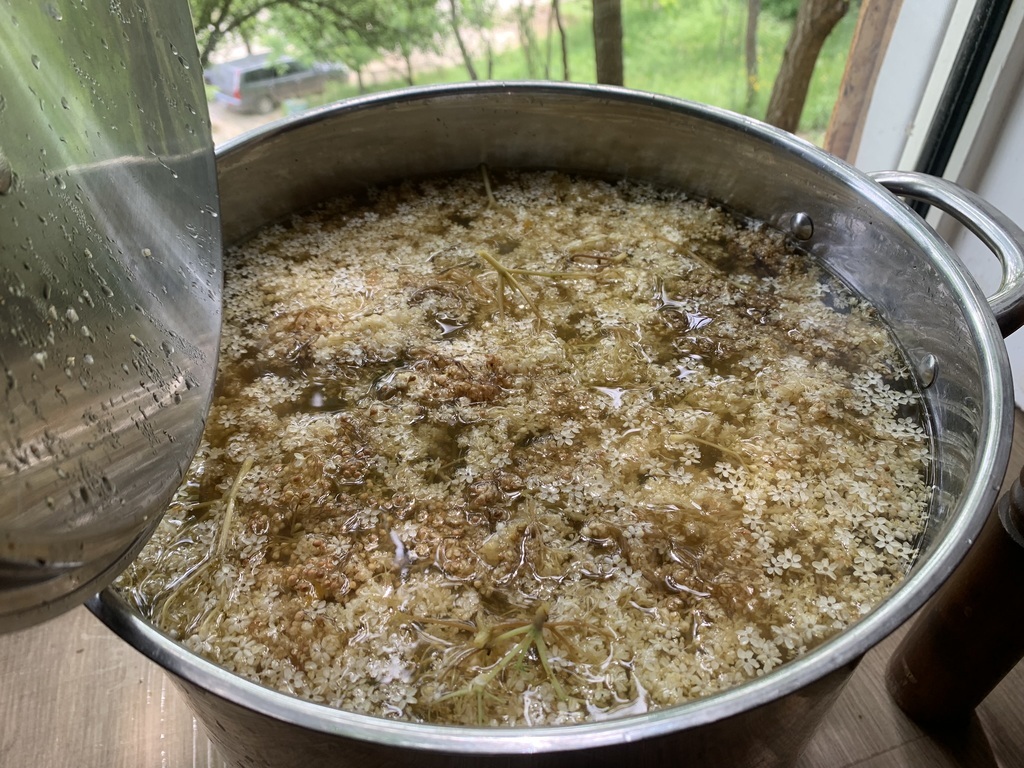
(971, 633)
(867, 51)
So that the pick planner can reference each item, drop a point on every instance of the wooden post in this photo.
(867, 51)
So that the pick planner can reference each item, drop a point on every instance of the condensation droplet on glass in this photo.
(54, 11)
(181, 60)
(64, 102)
(167, 348)
(6, 175)
(35, 61)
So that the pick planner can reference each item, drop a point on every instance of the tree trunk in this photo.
(466, 58)
(608, 41)
(557, 11)
(547, 44)
(753, 11)
(407, 58)
(814, 21)
(524, 21)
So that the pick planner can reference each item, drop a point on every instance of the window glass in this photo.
(728, 53)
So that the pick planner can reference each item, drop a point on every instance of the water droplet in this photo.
(35, 61)
(6, 175)
(54, 11)
(64, 102)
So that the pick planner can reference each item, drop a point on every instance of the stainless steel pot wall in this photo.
(109, 288)
(853, 224)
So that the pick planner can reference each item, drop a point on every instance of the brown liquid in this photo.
(534, 462)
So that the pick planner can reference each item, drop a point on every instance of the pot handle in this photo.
(1003, 237)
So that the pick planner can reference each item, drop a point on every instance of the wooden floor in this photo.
(72, 694)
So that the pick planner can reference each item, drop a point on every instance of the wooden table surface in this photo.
(73, 694)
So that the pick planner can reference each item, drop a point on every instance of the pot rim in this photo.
(841, 650)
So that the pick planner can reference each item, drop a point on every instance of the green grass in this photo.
(691, 49)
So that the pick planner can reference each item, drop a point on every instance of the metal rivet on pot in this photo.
(927, 370)
(801, 225)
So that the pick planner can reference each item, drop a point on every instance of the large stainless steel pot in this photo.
(853, 224)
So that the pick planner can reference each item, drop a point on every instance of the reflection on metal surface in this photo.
(109, 287)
